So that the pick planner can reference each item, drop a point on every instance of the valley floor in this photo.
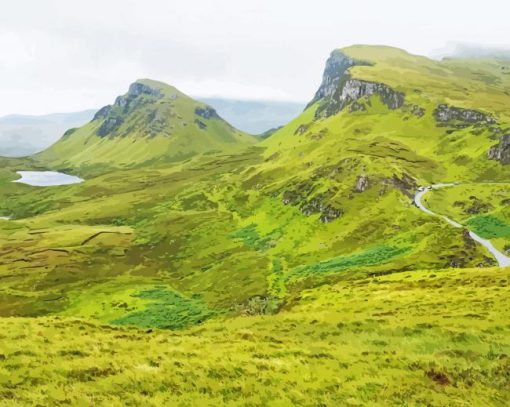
(431, 338)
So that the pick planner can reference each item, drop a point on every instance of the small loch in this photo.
(46, 178)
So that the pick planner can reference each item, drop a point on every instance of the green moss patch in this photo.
(251, 238)
(489, 226)
(168, 310)
(370, 257)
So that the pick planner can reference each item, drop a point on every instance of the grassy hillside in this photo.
(326, 198)
(208, 229)
(416, 338)
(484, 208)
(409, 138)
(153, 123)
(309, 240)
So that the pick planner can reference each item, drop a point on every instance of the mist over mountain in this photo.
(253, 116)
(22, 135)
(460, 50)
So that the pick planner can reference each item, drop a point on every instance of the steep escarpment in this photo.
(384, 104)
(334, 73)
(151, 123)
(338, 89)
(356, 94)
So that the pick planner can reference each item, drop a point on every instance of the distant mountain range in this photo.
(253, 116)
(22, 135)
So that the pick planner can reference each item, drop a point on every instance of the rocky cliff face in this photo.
(113, 116)
(501, 151)
(336, 67)
(339, 90)
(354, 90)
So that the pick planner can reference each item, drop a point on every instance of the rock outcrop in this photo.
(501, 151)
(339, 90)
(445, 114)
(113, 115)
(361, 184)
(109, 126)
(336, 67)
(201, 125)
(315, 205)
(329, 214)
(353, 90)
(137, 89)
(206, 112)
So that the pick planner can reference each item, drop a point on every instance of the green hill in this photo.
(152, 123)
(302, 257)
(436, 119)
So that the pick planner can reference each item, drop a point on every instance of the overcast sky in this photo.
(58, 55)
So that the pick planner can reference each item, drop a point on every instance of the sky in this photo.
(58, 55)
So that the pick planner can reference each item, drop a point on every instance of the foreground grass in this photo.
(414, 338)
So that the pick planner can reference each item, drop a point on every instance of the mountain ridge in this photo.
(153, 122)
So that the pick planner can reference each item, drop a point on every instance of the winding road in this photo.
(502, 259)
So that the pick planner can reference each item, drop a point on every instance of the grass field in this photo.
(431, 338)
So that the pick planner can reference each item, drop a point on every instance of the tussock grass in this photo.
(435, 338)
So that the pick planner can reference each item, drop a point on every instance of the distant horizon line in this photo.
(199, 98)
